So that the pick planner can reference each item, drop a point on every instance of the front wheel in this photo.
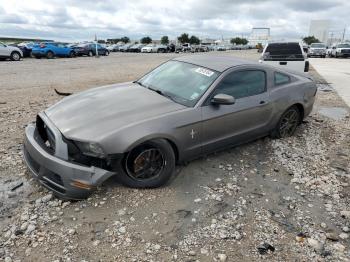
(49, 55)
(71, 54)
(288, 123)
(106, 53)
(15, 56)
(149, 165)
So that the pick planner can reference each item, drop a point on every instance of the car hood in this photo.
(97, 113)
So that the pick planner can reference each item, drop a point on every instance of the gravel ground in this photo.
(273, 200)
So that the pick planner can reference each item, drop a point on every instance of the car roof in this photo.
(217, 63)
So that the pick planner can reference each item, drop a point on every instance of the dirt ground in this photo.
(272, 200)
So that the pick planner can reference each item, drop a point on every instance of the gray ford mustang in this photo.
(138, 131)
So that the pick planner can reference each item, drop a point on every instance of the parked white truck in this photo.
(286, 55)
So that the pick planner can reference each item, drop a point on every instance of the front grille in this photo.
(345, 51)
(46, 135)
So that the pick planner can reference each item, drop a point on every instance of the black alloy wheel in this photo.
(148, 165)
(288, 123)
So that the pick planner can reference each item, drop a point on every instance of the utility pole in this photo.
(343, 34)
(96, 46)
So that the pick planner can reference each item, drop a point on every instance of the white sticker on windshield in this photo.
(204, 71)
(194, 96)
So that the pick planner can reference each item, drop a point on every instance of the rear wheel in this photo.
(15, 56)
(49, 55)
(288, 123)
(149, 165)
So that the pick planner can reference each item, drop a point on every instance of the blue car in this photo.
(51, 49)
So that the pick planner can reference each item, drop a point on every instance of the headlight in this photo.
(91, 149)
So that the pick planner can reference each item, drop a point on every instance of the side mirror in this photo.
(223, 99)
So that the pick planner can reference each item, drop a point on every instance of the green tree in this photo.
(125, 39)
(310, 40)
(146, 40)
(164, 40)
(239, 41)
(101, 41)
(183, 38)
(194, 40)
(244, 41)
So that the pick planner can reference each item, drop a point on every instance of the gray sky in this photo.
(80, 19)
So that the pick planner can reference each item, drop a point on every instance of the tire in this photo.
(280, 130)
(71, 54)
(49, 55)
(37, 57)
(15, 56)
(90, 53)
(158, 149)
(106, 53)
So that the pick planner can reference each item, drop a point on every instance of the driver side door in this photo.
(244, 120)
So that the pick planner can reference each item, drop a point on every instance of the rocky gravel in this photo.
(268, 200)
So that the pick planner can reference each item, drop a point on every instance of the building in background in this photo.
(320, 29)
(259, 35)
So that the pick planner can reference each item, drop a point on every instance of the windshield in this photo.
(318, 46)
(343, 46)
(182, 82)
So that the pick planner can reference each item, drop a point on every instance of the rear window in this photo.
(318, 46)
(281, 79)
(343, 46)
(283, 51)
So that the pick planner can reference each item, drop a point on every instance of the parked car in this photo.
(171, 48)
(221, 48)
(288, 55)
(200, 48)
(318, 50)
(148, 48)
(125, 48)
(187, 48)
(11, 52)
(136, 48)
(138, 131)
(26, 48)
(154, 48)
(113, 48)
(51, 50)
(89, 49)
(340, 50)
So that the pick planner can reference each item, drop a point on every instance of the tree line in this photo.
(183, 39)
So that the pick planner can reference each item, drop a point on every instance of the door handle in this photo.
(262, 102)
(283, 63)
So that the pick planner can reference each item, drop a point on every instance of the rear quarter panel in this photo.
(300, 91)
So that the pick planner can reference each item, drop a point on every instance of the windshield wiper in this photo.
(139, 83)
(167, 95)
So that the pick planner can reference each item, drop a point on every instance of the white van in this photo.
(286, 55)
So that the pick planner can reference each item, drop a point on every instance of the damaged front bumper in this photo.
(66, 179)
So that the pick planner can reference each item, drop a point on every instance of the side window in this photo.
(242, 84)
(281, 79)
